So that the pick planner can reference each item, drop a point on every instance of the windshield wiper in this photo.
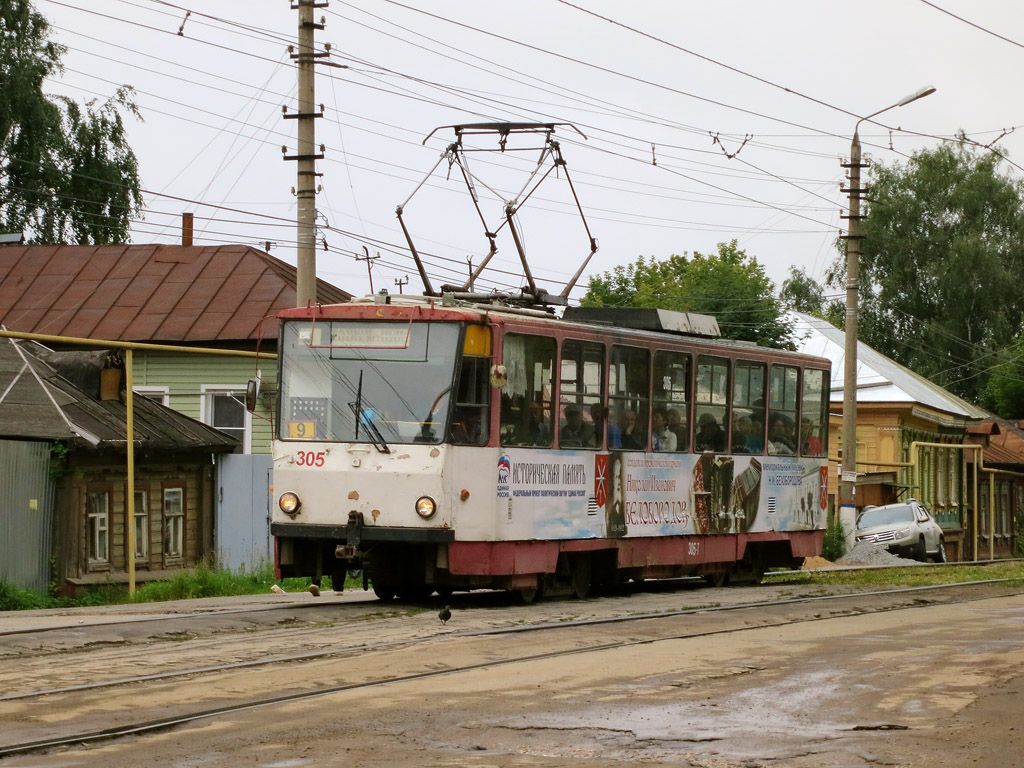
(367, 421)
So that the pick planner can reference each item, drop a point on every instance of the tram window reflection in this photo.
(748, 414)
(671, 402)
(782, 411)
(711, 404)
(813, 413)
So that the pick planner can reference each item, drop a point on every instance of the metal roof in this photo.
(38, 403)
(879, 379)
(149, 293)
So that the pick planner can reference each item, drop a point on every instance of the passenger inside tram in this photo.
(631, 434)
(710, 436)
(574, 432)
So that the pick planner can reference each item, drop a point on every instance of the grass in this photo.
(202, 581)
(901, 576)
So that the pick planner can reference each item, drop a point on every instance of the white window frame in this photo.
(141, 525)
(238, 392)
(152, 391)
(174, 524)
(99, 528)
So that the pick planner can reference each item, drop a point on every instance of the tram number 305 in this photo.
(693, 548)
(310, 458)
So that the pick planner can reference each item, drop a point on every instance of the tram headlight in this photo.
(289, 503)
(425, 507)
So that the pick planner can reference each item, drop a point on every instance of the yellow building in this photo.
(912, 436)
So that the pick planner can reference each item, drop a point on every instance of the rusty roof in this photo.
(1004, 446)
(148, 293)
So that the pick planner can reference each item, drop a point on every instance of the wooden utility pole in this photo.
(369, 265)
(306, 155)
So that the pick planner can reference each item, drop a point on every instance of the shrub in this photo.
(834, 545)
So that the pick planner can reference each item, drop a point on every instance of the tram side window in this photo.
(526, 397)
(670, 420)
(813, 413)
(711, 404)
(748, 414)
(628, 388)
(470, 422)
(782, 396)
(582, 368)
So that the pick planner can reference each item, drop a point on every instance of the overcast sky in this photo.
(212, 133)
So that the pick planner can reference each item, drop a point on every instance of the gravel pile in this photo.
(865, 553)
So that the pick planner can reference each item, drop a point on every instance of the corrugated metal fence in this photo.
(26, 514)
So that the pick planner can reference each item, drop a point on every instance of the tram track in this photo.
(364, 645)
(906, 598)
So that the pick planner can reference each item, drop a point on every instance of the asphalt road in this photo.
(931, 678)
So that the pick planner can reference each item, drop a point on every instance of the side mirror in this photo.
(252, 391)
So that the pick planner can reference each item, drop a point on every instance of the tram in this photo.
(444, 445)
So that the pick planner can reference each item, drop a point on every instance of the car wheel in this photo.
(921, 551)
(940, 556)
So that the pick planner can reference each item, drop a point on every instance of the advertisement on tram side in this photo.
(582, 494)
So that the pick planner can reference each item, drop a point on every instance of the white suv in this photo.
(905, 528)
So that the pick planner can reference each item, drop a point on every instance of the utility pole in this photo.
(369, 265)
(305, 57)
(400, 282)
(848, 471)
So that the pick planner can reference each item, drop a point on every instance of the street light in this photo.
(848, 476)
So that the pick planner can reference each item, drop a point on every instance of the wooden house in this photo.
(1000, 486)
(65, 515)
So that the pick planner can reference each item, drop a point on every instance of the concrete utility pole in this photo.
(848, 476)
(306, 156)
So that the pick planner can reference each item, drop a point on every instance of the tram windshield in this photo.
(372, 382)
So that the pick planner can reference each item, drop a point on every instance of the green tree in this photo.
(728, 284)
(802, 293)
(67, 173)
(941, 259)
(1004, 392)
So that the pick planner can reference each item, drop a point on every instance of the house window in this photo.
(99, 526)
(224, 409)
(141, 525)
(161, 395)
(174, 522)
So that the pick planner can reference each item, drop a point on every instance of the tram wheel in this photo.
(528, 595)
(385, 592)
(717, 579)
(580, 573)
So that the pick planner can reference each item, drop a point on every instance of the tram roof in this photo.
(622, 328)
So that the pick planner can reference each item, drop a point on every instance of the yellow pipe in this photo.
(991, 514)
(111, 344)
(129, 404)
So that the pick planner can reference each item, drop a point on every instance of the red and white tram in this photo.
(445, 446)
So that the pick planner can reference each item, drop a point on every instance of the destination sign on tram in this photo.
(359, 336)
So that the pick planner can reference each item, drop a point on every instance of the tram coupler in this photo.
(353, 537)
